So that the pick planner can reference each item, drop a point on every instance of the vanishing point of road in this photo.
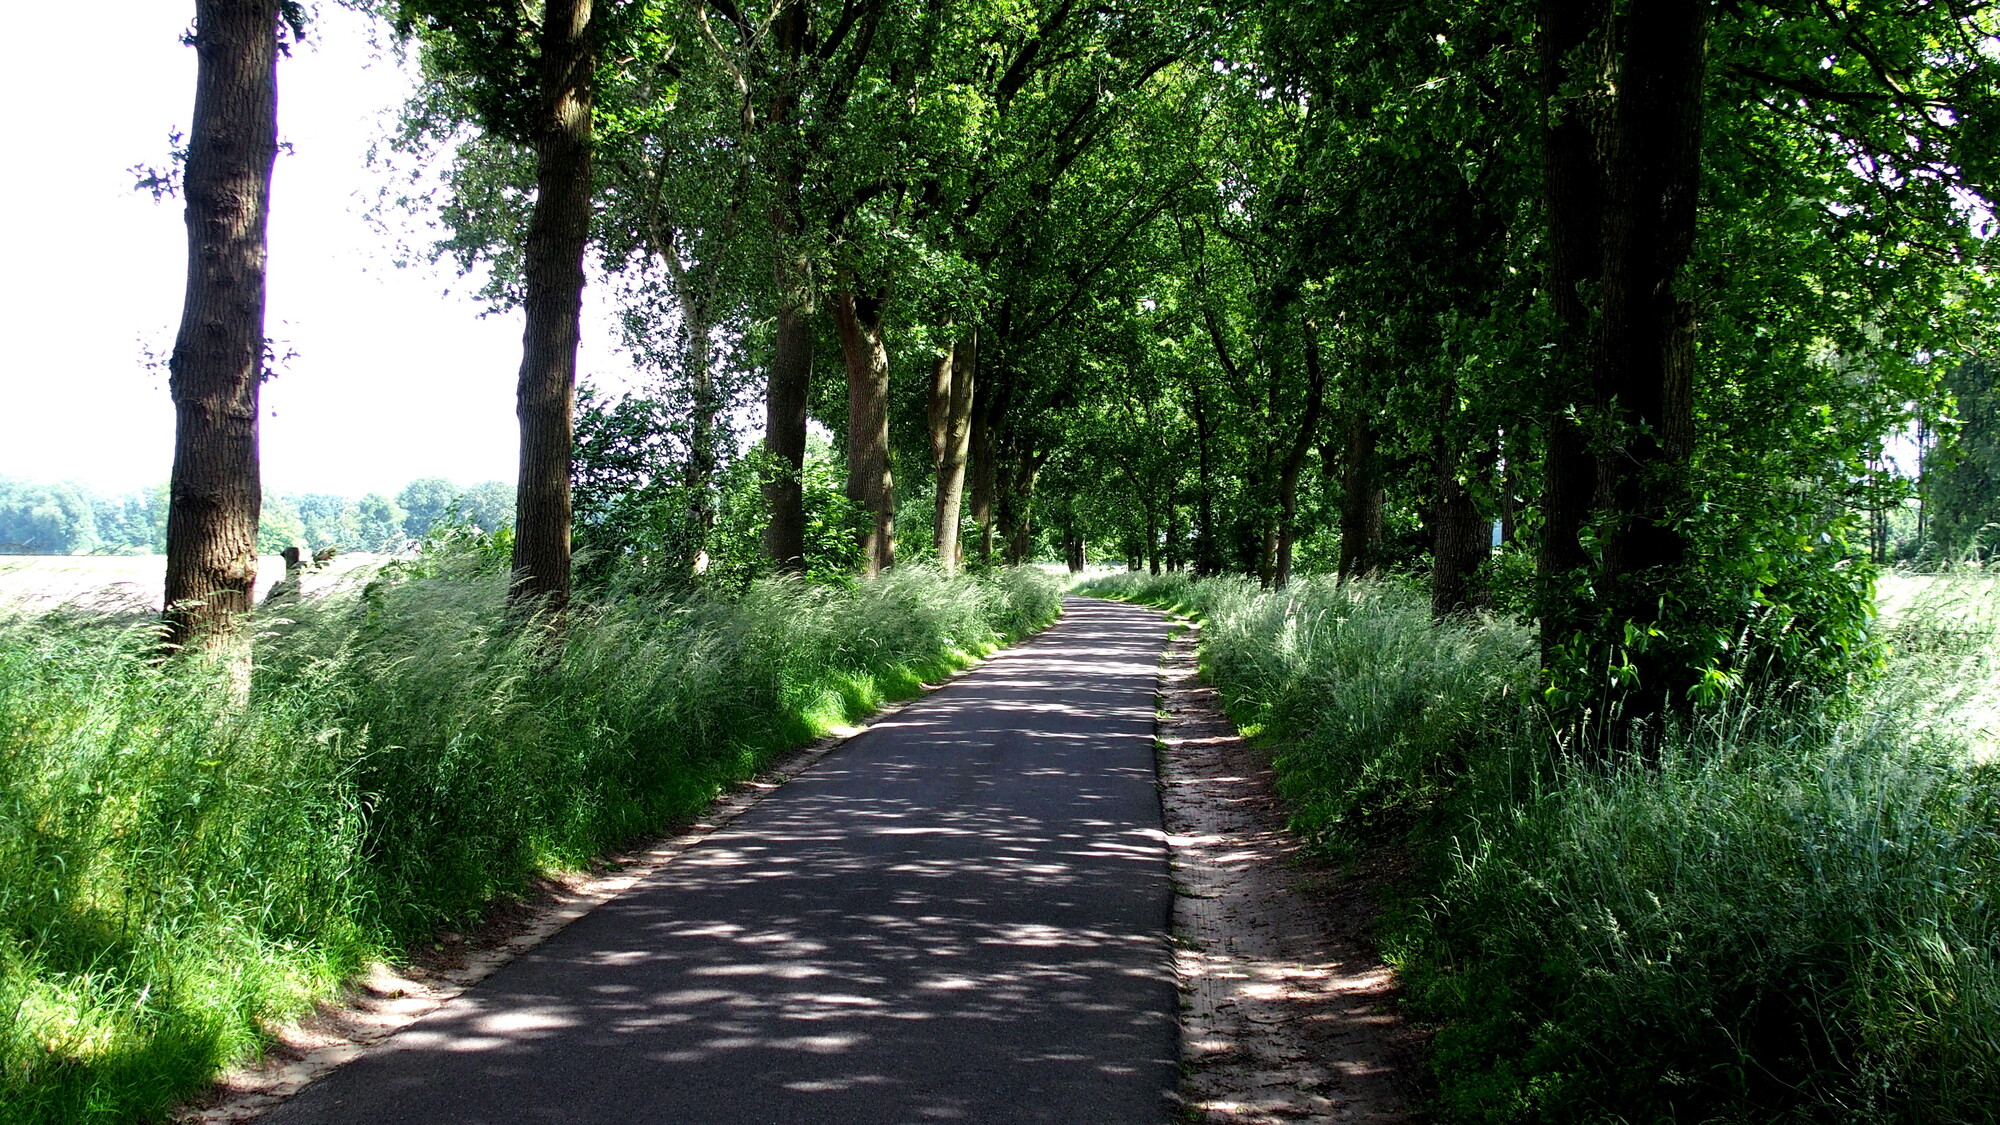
(959, 915)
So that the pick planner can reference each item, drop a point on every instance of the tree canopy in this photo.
(1604, 314)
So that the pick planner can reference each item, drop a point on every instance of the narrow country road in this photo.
(960, 915)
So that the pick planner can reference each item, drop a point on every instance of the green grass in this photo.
(178, 864)
(1794, 915)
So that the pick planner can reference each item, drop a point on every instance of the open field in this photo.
(122, 582)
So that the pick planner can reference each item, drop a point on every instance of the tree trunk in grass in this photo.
(785, 431)
(790, 385)
(869, 484)
(1461, 536)
(1644, 359)
(218, 358)
(1360, 502)
(950, 418)
(553, 273)
(1573, 51)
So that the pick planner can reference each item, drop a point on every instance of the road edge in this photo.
(385, 999)
(1303, 1027)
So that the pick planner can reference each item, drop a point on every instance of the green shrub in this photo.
(178, 863)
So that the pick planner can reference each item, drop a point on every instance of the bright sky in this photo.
(395, 379)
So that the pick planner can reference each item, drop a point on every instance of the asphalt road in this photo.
(960, 915)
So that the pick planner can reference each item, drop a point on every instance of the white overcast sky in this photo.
(394, 379)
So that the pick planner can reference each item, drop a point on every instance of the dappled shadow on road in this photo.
(961, 915)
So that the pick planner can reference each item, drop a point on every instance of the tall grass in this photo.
(177, 864)
(1790, 915)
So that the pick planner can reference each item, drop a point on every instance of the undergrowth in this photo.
(1790, 915)
(179, 863)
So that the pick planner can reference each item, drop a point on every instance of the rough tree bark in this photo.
(1461, 536)
(553, 276)
(1360, 502)
(790, 385)
(1643, 363)
(869, 484)
(1573, 178)
(218, 358)
(950, 419)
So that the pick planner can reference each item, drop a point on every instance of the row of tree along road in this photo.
(1650, 286)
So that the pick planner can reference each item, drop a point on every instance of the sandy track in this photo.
(1289, 1014)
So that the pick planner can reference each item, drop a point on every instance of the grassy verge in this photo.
(176, 866)
(1793, 916)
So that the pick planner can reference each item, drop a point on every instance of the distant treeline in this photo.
(70, 519)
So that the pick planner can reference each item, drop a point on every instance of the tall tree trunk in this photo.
(553, 273)
(785, 421)
(869, 483)
(1644, 359)
(218, 358)
(1459, 545)
(1573, 44)
(790, 385)
(950, 418)
(1295, 462)
(1207, 554)
(1360, 502)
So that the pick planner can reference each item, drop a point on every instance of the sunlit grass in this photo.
(177, 865)
(1788, 915)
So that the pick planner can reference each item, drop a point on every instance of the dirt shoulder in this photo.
(1289, 1015)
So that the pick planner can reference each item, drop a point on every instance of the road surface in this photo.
(959, 915)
